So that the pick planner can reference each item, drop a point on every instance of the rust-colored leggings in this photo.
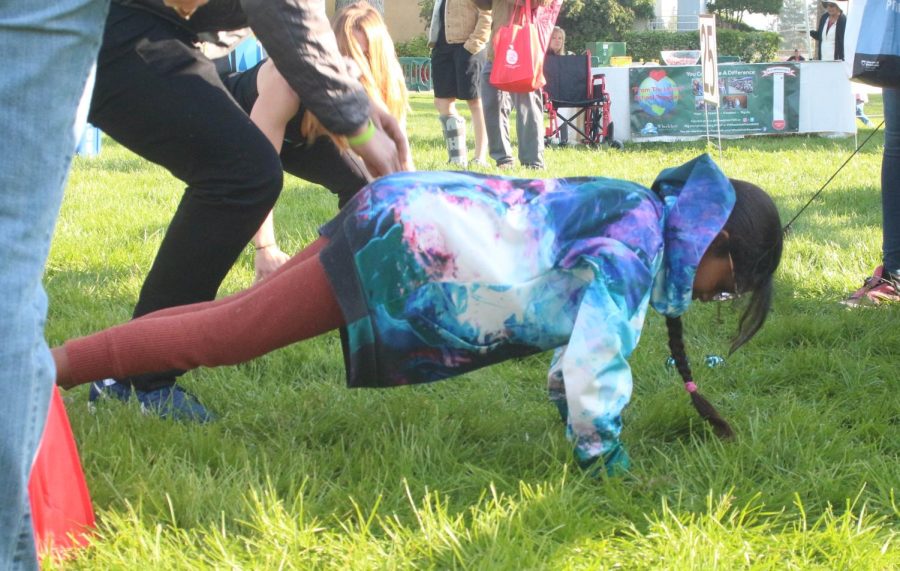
(292, 304)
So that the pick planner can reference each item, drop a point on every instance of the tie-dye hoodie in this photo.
(440, 273)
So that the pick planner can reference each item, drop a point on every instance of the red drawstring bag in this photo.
(61, 508)
(518, 57)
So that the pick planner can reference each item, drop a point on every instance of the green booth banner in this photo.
(755, 99)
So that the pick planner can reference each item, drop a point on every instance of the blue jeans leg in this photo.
(890, 182)
(530, 127)
(496, 106)
(861, 115)
(48, 47)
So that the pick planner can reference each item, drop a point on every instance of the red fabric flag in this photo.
(61, 507)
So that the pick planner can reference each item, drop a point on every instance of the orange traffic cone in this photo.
(61, 506)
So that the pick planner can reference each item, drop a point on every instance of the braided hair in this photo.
(755, 243)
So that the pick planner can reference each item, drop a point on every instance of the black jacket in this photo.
(838, 36)
(298, 38)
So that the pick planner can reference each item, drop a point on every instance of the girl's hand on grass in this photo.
(267, 260)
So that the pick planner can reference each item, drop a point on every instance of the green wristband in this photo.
(363, 137)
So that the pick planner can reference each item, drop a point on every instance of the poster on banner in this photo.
(754, 99)
(709, 58)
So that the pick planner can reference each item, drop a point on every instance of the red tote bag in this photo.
(518, 57)
(61, 508)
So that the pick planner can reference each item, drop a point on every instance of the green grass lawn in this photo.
(299, 472)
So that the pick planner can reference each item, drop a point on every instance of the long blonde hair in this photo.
(562, 48)
(380, 72)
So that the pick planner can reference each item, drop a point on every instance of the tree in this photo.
(796, 15)
(734, 10)
(341, 4)
(794, 21)
(587, 20)
(426, 7)
(600, 20)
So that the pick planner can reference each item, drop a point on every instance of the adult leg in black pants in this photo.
(323, 163)
(157, 95)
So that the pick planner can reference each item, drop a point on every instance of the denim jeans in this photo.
(496, 106)
(890, 182)
(48, 47)
(861, 114)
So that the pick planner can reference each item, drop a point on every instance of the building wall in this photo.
(677, 15)
(401, 17)
(666, 9)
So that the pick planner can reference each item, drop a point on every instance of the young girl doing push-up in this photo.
(433, 274)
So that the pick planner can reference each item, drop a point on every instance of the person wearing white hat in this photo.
(830, 32)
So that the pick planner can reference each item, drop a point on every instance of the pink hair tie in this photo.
(690, 387)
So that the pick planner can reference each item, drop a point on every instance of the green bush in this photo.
(415, 47)
(723, 23)
(600, 20)
(749, 46)
(647, 45)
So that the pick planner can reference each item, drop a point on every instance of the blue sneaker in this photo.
(166, 402)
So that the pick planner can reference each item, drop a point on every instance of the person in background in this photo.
(160, 97)
(796, 56)
(861, 100)
(48, 48)
(883, 286)
(457, 37)
(320, 161)
(306, 148)
(829, 34)
(557, 45)
(498, 104)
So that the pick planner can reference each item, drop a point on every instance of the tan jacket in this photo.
(502, 10)
(464, 23)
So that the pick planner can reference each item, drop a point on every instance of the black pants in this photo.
(157, 95)
(321, 162)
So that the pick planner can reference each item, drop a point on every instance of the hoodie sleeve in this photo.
(481, 34)
(590, 379)
(297, 36)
